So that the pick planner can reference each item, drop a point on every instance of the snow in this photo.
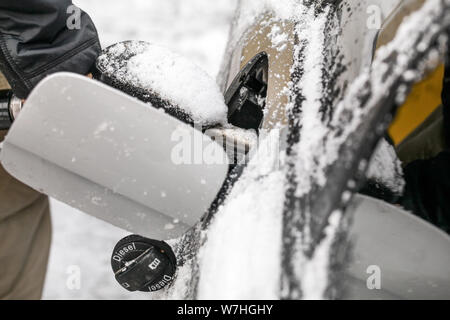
(315, 271)
(171, 76)
(321, 139)
(244, 241)
(320, 147)
(386, 168)
(197, 29)
(251, 10)
(310, 30)
(311, 153)
(82, 246)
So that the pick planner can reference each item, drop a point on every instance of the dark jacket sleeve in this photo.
(36, 40)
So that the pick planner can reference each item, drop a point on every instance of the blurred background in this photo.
(79, 266)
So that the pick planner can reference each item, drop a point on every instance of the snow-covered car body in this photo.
(315, 53)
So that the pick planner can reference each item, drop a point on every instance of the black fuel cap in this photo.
(142, 264)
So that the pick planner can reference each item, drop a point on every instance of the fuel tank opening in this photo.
(246, 96)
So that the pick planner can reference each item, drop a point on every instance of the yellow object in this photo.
(425, 96)
(422, 101)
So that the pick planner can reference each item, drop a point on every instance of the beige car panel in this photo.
(260, 39)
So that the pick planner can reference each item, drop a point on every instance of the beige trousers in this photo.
(25, 235)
